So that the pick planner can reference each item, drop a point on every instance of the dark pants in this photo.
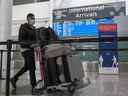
(66, 68)
(54, 72)
(53, 77)
(28, 66)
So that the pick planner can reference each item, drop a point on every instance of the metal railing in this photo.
(9, 44)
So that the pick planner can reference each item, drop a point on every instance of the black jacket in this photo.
(27, 34)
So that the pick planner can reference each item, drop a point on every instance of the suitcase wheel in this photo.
(54, 89)
(75, 82)
(49, 90)
(71, 88)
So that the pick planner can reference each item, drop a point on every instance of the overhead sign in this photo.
(83, 28)
(92, 11)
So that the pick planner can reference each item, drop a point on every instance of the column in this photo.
(5, 24)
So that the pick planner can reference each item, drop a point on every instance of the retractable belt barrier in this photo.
(9, 44)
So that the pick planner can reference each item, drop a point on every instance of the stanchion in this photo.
(9, 46)
(1, 60)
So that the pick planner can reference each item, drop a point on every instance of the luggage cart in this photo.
(72, 69)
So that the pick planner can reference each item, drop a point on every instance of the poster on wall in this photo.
(108, 54)
(83, 21)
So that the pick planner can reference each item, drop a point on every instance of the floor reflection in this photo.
(101, 85)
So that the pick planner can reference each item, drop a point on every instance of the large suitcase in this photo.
(56, 50)
(51, 71)
(75, 67)
(71, 63)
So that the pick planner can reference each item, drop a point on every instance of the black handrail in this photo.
(80, 49)
(72, 40)
(94, 49)
(9, 47)
(9, 44)
(1, 60)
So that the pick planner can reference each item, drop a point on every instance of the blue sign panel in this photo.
(108, 58)
(82, 28)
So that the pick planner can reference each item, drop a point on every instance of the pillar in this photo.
(5, 25)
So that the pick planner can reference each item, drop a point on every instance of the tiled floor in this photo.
(101, 85)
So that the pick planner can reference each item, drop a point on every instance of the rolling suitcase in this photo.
(39, 54)
(57, 50)
(75, 67)
(52, 72)
(71, 63)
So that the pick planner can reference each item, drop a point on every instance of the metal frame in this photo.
(9, 44)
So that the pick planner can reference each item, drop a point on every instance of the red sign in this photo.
(107, 27)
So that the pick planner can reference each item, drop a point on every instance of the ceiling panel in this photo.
(20, 2)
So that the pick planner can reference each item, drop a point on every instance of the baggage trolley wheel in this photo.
(49, 90)
(54, 89)
(71, 88)
(75, 82)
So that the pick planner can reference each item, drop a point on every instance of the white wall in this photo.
(41, 10)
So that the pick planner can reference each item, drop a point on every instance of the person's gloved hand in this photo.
(34, 45)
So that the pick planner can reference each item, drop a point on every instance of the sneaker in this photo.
(13, 82)
(33, 91)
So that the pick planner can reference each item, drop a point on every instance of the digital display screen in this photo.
(108, 27)
(81, 28)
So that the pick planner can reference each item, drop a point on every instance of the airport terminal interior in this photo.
(64, 48)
